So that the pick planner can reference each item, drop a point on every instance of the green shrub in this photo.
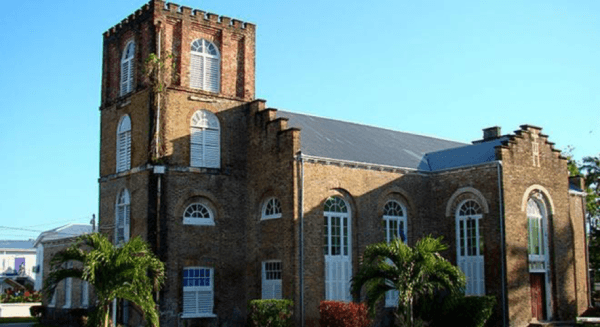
(270, 313)
(343, 314)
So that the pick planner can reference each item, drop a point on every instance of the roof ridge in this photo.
(372, 126)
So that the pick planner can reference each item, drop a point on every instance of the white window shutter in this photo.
(196, 148)
(126, 223)
(211, 148)
(125, 77)
(196, 71)
(212, 74)
(205, 302)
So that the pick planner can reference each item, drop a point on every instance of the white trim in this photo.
(338, 267)
(272, 288)
(391, 297)
(205, 68)
(205, 140)
(207, 220)
(68, 288)
(276, 204)
(541, 189)
(123, 148)
(481, 199)
(473, 264)
(123, 216)
(127, 69)
(197, 291)
(577, 193)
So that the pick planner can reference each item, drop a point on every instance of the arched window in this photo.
(337, 249)
(127, 64)
(122, 219)
(271, 209)
(538, 259)
(394, 226)
(198, 214)
(394, 221)
(124, 144)
(469, 246)
(204, 140)
(535, 241)
(205, 66)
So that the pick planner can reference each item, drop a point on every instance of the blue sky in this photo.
(440, 68)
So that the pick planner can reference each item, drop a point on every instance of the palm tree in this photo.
(129, 271)
(416, 273)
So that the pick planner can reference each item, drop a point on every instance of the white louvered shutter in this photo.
(190, 306)
(125, 65)
(211, 148)
(124, 151)
(126, 223)
(205, 302)
(196, 147)
(196, 71)
(212, 74)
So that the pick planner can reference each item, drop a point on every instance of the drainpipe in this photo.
(587, 253)
(503, 240)
(301, 236)
(157, 138)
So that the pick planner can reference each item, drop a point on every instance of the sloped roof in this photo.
(17, 244)
(65, 231)
(462, 156)
(334, 139)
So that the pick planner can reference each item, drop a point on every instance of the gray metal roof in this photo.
(462, 156)
(17, 244)
(65, 231)
(334, 139)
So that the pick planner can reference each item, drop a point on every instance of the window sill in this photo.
(206, 315)
(270, 217)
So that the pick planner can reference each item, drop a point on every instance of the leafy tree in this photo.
(591, 169)
(129, 271)
(415, 272)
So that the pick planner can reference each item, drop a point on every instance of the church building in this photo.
(242, 201)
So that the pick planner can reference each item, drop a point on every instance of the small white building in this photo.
(17, 259)
(66, 231)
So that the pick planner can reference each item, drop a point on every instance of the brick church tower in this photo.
(173, 144)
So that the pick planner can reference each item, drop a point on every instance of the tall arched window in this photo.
(205, 66)
(205, 140)
(536, 244)
(469, 246)
(127, 65)
(122, 219)
(124, 144)
(394, 225)
(337, 236)
(537, 250)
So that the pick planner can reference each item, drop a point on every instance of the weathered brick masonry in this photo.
(264, 153)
